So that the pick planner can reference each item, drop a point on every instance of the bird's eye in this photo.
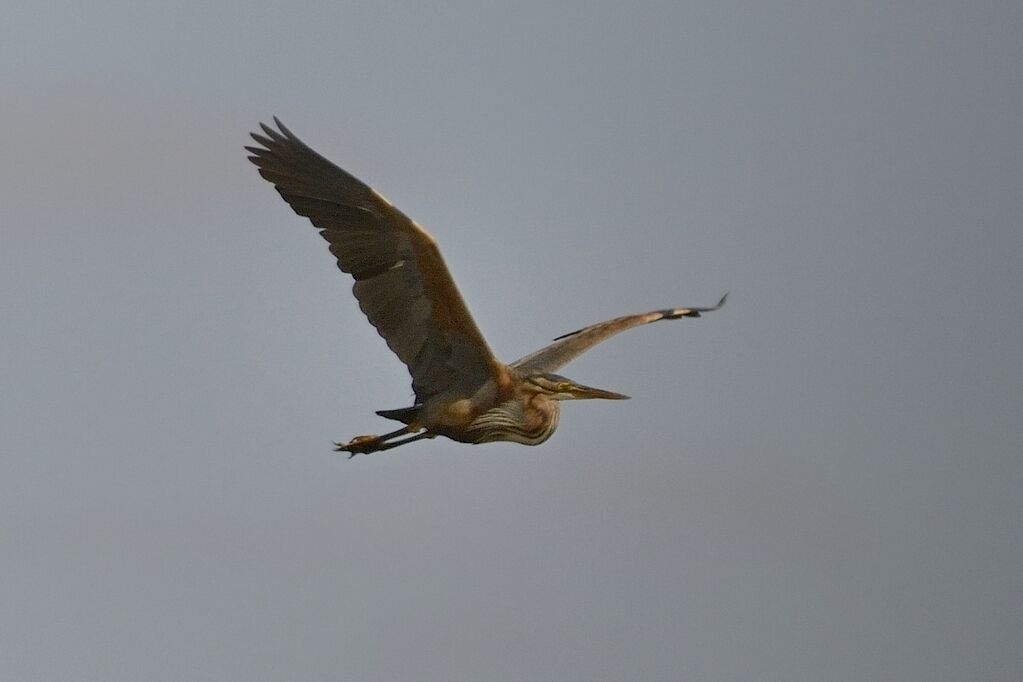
(563, 387)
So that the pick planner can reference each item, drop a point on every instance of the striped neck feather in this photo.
(510, 421)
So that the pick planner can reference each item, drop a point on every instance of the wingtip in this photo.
(271, 136)
(676, 313)
(283, 128)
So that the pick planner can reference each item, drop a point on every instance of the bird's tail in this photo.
(405, 415)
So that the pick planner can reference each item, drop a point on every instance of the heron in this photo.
(462, 391)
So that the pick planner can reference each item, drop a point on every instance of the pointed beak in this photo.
(580, 392)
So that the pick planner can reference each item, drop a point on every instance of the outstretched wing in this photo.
(569, 346)
(401, 281)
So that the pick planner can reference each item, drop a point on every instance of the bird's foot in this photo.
(360, 445)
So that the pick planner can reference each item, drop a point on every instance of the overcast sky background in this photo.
(822, 481)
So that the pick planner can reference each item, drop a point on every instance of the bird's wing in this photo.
(401, 281)
(569, 346)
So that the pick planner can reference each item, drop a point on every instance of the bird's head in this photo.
(559, 388)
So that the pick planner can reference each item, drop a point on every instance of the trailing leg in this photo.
(363, 445)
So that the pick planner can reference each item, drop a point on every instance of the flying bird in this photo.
(403, 286)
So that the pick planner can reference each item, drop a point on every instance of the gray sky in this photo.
(820, 482)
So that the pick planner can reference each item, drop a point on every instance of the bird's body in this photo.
(514, 409)
(403, 286)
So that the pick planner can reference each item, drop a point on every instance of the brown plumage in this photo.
(406, 291)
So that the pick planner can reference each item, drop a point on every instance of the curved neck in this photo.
(529, 419)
